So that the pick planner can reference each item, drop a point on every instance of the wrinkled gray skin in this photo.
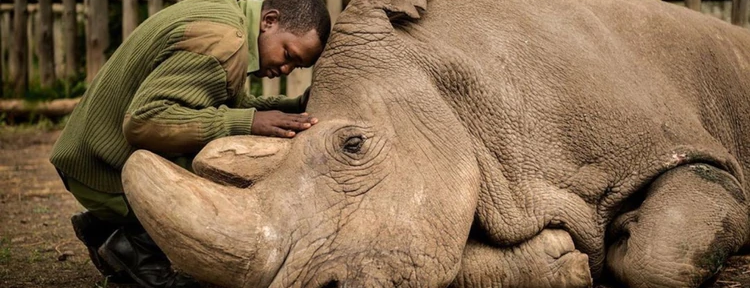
(513, 143)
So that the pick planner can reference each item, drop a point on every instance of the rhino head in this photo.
(381, 192)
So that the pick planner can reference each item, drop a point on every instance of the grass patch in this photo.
(35, 256)
(102, 284)
(40, 210)
(4, 250)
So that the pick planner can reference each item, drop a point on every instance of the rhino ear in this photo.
(402, 9)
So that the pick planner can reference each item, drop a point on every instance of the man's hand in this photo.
(280, 124)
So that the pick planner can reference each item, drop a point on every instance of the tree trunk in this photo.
(298, 81)
(57, 35)
(21, 48)
(97, 39)
(693, 4)
(46, 46)
(740, 12)
(272, 87)
(70, 28)
(129, 17)
(154, 6)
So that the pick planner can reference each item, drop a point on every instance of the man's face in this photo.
(281, 51)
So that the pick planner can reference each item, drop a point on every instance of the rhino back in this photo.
(593, 96)
(575, 106)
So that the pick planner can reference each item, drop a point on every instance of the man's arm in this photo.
(179, 108)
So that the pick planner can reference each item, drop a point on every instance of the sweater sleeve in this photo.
(264, 103)
(180, 107)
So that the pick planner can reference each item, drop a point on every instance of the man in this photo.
(174, 85)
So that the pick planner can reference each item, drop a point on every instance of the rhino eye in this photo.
(353, 144)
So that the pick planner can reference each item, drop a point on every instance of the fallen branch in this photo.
(55, 108)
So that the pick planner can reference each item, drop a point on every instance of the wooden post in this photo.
(46, 45)
(5, 45)
(31, 22)
(740, 12)
(693, 4)
(154, 6)
(129, 17)
(272, 87)
(2, 59)
(70, 27)
(21, 48)
(57, 35)
(97, 39)
(298, 81)
(334, 8)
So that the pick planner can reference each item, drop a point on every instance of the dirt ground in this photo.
(37, 245)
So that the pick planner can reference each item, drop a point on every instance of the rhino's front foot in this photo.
(547, 260)
(693, 218)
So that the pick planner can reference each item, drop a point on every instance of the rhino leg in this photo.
(547, 260)
(692, 219)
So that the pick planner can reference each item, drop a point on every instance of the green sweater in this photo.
(174, 85)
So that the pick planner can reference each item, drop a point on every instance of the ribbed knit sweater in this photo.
(171, 87)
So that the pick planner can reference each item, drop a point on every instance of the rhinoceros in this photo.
(485, 143)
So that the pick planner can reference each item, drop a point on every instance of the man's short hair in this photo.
(301, 16)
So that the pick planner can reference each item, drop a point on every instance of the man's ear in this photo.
(269, 19)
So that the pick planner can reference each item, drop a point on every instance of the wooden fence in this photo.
(48, 32)
(49, 40)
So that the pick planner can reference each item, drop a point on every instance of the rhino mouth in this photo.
(217, 233)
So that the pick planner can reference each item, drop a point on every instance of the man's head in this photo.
(292, 34)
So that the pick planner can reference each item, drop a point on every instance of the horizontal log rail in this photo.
(54, 108)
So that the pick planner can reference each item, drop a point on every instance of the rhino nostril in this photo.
(331, 284)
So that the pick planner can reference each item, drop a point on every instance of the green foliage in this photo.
(75, 87)
(103, 284)
(256, 87)
(7, 90)
(32, 122)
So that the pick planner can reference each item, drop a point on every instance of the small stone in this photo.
(24, 221)
(17, 240)
(64, 256)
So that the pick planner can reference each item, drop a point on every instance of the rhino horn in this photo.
(240, 161)
(195, 222)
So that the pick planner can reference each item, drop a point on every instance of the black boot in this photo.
(93, 232)
(132, 250)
